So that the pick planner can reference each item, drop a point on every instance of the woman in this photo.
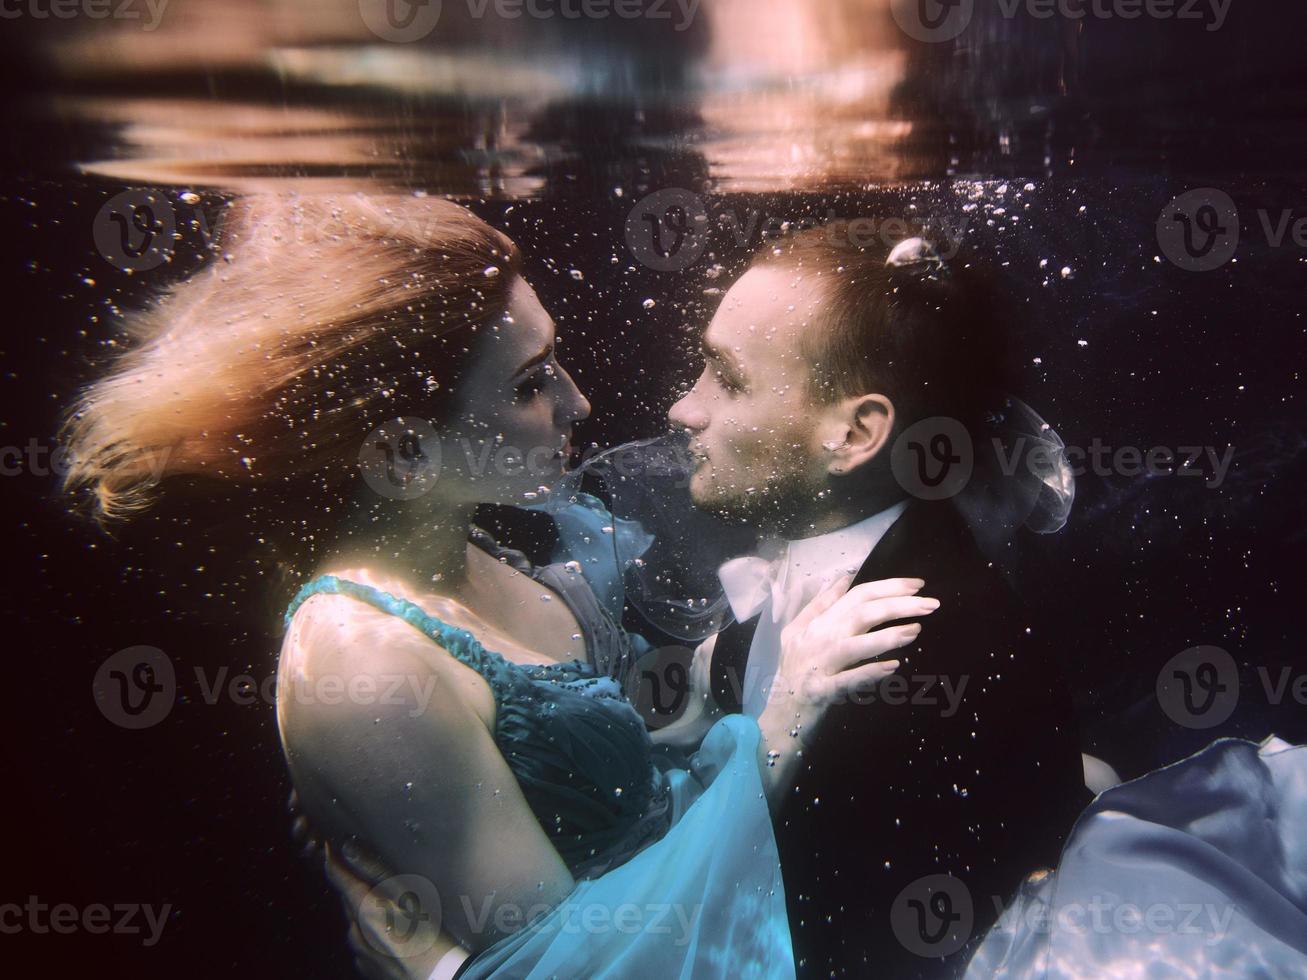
(492, 793)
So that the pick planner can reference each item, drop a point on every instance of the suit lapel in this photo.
(904, 549)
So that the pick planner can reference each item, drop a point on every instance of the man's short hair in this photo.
(932, 344)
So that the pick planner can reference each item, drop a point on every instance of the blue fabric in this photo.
(1195, 870)
(678, 873)
(591, 537)
(703, 903)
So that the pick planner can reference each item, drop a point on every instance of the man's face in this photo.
(754, 432)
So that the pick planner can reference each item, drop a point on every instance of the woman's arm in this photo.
(413, 778)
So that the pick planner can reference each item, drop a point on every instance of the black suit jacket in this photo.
(967, 765)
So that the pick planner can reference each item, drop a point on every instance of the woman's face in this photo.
(511, 427)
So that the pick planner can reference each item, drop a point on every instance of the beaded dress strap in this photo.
(459, 642)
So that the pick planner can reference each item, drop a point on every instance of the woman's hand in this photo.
(389, 941)
(828, 654)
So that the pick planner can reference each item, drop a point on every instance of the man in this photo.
(923, 805)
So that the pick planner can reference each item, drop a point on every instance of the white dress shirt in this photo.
(782, 579)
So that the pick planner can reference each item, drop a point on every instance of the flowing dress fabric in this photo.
(677, 869)
(1195, 870)
(704, 901)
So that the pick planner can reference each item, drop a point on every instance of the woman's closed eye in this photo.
(535, 382)
(727, 381)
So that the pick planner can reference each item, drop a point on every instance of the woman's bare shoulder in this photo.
(344, 661)
(333, 621)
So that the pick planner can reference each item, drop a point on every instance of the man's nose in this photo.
(686, 414)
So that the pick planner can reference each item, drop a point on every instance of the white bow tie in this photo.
(749, 583)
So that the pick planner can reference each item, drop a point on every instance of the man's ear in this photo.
(861, 427)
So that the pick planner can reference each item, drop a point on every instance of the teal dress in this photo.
(676, 868)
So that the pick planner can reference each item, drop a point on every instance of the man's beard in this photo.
(779, 504)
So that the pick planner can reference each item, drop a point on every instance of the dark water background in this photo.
(1108, 124)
